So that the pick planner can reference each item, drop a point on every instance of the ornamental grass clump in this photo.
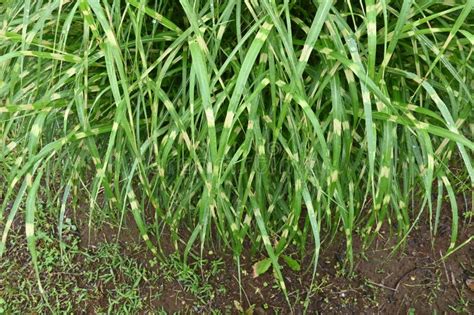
(269, 123)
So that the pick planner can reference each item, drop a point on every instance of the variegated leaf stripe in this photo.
(155, 15)
(41, 54)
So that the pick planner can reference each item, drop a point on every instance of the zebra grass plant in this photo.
(270, 123)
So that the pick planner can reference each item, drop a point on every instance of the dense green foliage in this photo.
(268, 122)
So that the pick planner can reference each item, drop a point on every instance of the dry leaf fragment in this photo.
(470, 284)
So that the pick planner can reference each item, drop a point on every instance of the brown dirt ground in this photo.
(414, 278)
